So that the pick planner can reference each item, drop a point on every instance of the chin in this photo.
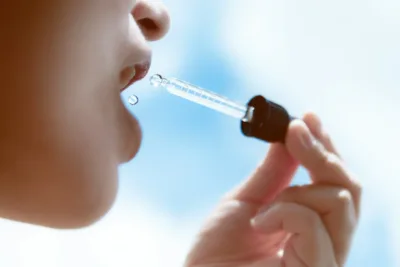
(87, 215)
(76, 202)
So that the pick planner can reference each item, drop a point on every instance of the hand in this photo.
(266, 223)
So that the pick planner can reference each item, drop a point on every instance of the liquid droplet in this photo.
(133, 100)
(156, 80)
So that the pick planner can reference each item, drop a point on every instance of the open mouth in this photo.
(140, 71)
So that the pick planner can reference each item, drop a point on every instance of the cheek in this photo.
(64, 128)
(59, 164)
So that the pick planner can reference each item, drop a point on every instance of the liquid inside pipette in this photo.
(203, 97)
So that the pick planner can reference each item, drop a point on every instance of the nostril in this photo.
(152, 18)
(148, 25)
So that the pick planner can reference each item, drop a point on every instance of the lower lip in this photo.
(141, 72)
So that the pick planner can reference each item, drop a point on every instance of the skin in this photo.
(265, 222)
(64, 131)
(64, 127)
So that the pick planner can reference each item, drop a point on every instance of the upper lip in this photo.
(141, 70)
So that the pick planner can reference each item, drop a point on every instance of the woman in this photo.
(67, 62)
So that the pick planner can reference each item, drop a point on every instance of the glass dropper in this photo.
(203, 97)
(260, 118)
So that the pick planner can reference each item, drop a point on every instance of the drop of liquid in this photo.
(156, 80)
(133, 100)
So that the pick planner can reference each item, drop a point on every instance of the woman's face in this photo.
(64, 127)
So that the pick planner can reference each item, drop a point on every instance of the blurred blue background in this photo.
(338, 58)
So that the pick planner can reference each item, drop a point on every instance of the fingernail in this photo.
(263, 209)
(261, 220)
(262, 212)
(307, 140)
(318, 126)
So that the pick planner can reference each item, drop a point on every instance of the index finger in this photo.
(270, 178)
(325, 167)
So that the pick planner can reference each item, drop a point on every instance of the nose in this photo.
(152, 18)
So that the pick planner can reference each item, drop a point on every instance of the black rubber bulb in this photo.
(266, 120)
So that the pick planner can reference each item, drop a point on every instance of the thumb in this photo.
(270, 178)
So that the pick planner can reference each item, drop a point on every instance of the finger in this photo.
(290, 255)
(310, 240)
(315, 125)
(270, 178)
(336, 209)
(324, 166)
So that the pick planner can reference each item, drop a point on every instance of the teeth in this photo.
(130, 73)
(133, 73)
(127, 75)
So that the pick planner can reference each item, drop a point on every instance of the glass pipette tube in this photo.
(203, 97)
